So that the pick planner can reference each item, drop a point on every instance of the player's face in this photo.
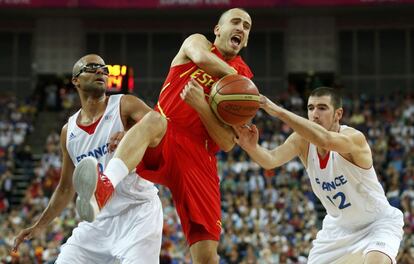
(322, 112)
(93, 75)
(232, 32)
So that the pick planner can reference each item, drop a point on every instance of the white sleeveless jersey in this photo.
(132, 189)
(352, 196)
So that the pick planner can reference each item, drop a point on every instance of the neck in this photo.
(335, 127)
(92, 108)
(225, 55)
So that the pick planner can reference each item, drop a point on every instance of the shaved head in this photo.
(90, 58)
(227, 12)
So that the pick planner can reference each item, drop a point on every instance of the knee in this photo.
(153, 126)
(154, 122)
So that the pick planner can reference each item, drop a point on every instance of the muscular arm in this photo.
(132, 110)
(293, 146)
(197, 48)
(64, 191)
(222, 134)
(350, 141)
(60, 198)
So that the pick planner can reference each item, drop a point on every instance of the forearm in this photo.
(263, 157)
(198, 49)
(222, 134)
(213, 65)
(60, 199)
(309, 130)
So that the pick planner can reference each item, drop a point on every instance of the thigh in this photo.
(195, 188)
(383, 243)
(329, 247)
(377, 257)
(140, 232)
(204, 252)
(386, 236)
(74, 254)
(90, 243)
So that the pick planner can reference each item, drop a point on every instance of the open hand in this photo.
(247, 136)
(25, 234)
(270, 107)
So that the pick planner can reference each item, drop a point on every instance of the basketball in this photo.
(234, 99)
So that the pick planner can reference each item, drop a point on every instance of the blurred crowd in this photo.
(268, 216)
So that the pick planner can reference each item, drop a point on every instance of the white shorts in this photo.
(134, 236)
(335, 245)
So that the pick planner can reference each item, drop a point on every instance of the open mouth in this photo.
(99, 80)
(235, 40)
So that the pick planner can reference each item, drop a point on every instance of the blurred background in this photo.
(364, 48)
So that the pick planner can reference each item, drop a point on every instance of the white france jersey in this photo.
(352, 196)
(132, 189)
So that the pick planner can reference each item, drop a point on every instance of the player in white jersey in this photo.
(129, 228)
(360, 225)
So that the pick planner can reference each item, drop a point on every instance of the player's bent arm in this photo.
(222, 134)
(315, 133)
(64, 192)
(197, 48)
(278, 156)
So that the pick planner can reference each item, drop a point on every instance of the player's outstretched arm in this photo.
(247, 139)
(197, 48)
(223, 135)
(60, 198)
(350, 141)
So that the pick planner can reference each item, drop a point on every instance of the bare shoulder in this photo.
(356, 135)
(64, 130)
(63, 135)
(130, 103)
(360, 151)
(192, 41)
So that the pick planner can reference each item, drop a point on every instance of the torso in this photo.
(346, 190)
(180, 113)
(94, 141)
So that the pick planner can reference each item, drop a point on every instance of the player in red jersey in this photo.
(184, 159)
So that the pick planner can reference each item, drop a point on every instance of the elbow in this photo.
(199, 57)
(228, 146)
(267, 166)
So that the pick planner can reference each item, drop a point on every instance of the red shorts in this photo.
(184, 164)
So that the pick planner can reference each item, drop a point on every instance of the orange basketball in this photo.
(234, 99)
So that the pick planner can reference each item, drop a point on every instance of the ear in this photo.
(338, 114)
(245, 44)
(217, 31)
(75, 81)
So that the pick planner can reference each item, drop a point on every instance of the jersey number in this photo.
(342, 203)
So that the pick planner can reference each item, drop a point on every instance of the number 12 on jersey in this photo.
(342, 200)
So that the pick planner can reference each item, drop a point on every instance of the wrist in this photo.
(40, 224)
(250, 149)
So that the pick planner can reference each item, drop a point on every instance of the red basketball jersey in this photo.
(179, 112)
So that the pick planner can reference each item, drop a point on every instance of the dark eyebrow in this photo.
(318, 105)
(234, 19)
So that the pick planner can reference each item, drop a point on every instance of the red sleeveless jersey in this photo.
(179, 112)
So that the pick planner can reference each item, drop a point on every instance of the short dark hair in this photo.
(335, 95)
